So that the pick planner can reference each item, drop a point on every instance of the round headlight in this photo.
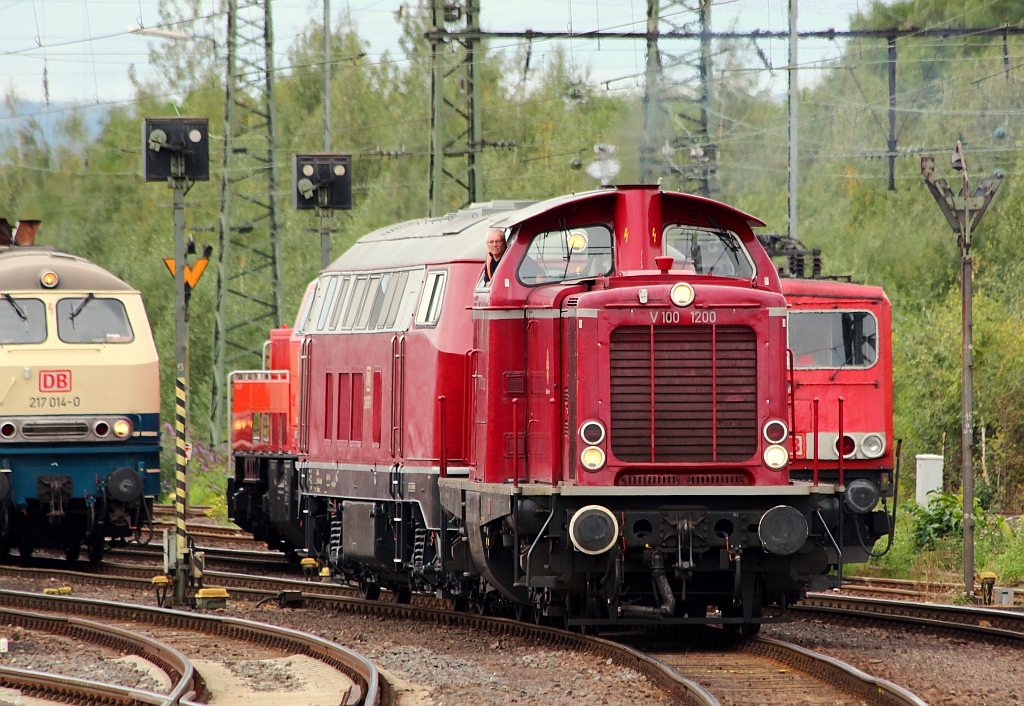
(122, 428)
(101, 429)
(775, 432)
(49, 279)
(872, 445)
(592, 458)
(849, 446)
(592, 432)
(8, 430)
(776, 457)
(682, 294)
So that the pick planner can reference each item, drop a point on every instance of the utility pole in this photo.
(461, 115)
(963, 213)
(325, 214)
(653, 111)
(177, 151)
(791, 143)
(250, 292)
(708, 152)
(892, 113)
(437, 137)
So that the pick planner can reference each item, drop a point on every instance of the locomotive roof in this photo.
(21, 267)
(831, 289)
(460, 235)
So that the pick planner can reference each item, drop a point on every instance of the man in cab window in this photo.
(495, 250)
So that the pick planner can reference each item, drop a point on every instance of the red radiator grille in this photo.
(704, 385)
(682, 479)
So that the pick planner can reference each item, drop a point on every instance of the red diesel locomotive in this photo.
(601, 436)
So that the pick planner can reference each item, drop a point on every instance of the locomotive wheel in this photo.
(370, 591)
(403, 594)
(459, 604)
(72, 551)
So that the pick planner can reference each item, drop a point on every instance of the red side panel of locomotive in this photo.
(840, 338)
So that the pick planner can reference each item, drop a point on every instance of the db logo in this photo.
(55, 381)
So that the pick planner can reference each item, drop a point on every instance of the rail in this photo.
(368, 690)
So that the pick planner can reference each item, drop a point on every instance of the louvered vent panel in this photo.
(687, 393)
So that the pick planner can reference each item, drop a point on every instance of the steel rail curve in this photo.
(369, 688)
(171, 661)
(64, 689)
(990, 622)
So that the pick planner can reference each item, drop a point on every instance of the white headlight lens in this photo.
(592, 458)
(122, 428)
(776, 456)
(682, 294)
(872, 445)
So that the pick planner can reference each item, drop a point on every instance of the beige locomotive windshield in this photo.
(92, 320)
(21, 320)
(716, 253)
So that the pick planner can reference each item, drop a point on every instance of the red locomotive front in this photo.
(598, 435)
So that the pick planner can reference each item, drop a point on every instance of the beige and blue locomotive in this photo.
(79, 405)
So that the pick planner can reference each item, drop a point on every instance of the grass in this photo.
(998, 547)
(206, 473)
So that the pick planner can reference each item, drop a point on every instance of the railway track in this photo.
(368, 689)
(771, 666)
(186, 682)
(990, 622)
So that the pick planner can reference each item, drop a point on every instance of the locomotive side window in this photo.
(21, 320)
(833, 339)
(91, 320)
(396, 292)
(307, 305)
(353, 305)
(325, 306)
(339, 305)
(716, 253)
(566, 254)
(371, 296)
(430, 301)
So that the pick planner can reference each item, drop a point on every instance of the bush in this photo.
(943, 517)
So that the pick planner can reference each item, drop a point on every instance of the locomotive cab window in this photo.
(567, 254)
(429, 310)
(92, 320)
(833, 339)
(21, 320)
(715, 253)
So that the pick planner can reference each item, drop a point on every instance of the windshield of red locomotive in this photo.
(571, 253)
(833, 339)
(715, 253)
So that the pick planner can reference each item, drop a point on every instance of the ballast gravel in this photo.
(432, 665)
(944, 670)
(60, 655)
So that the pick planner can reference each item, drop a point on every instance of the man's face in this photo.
(496, 244)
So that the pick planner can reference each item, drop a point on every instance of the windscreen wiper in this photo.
(14, 305)
(78, 309)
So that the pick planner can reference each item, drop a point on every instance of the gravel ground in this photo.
(452, 665)
(60, 655)
(951, 671)
(434, 666)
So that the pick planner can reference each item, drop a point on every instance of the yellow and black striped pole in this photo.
(181, 568)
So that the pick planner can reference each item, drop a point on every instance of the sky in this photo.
(86, 48)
